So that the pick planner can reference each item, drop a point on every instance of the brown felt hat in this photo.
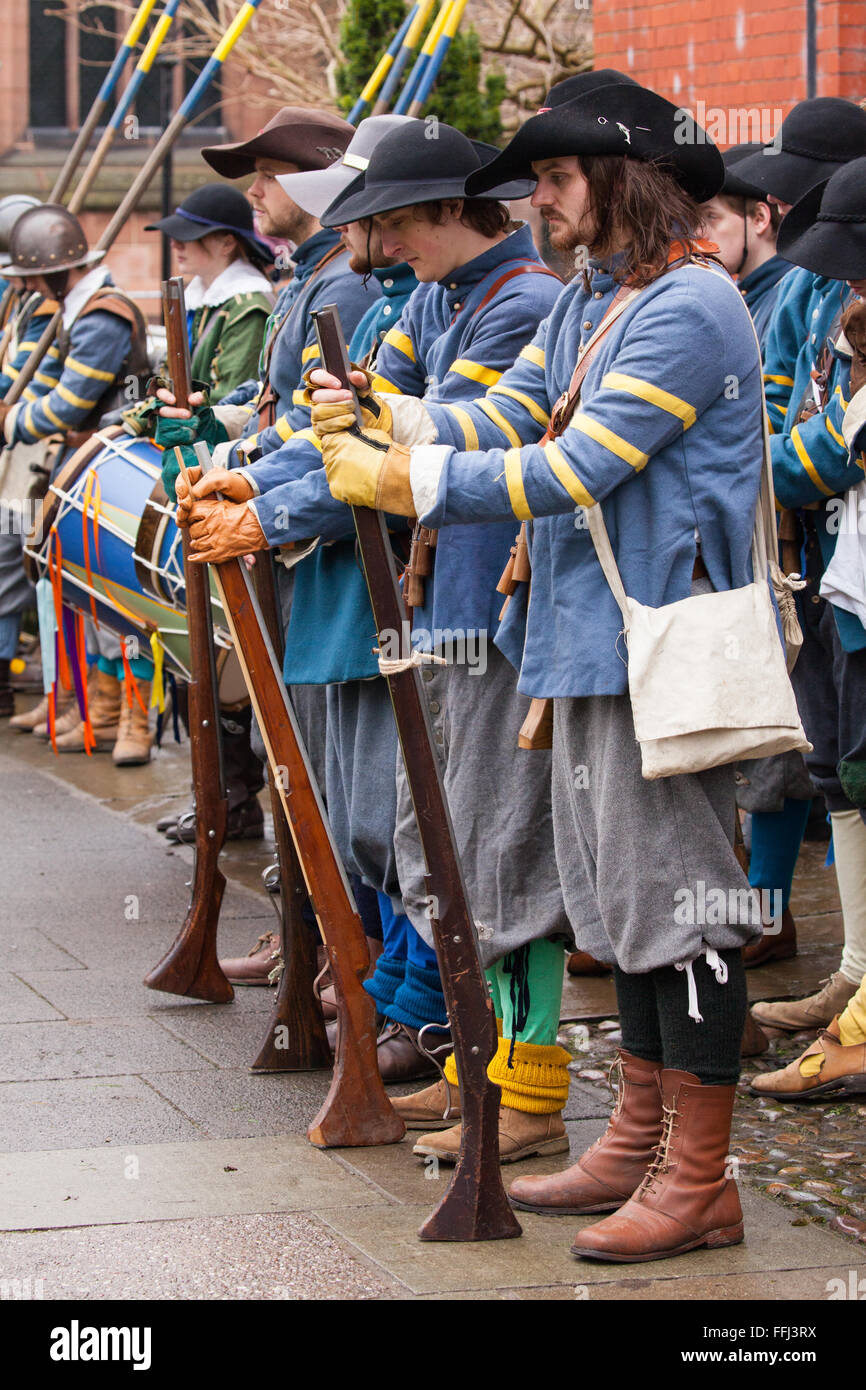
(295, 135)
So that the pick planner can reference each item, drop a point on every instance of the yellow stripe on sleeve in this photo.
(401, 341)
(464, 420)
(310, 352)
(832, 430)
(654, 395)
(780, 380)
(283, 428)
(614, 443)
(55, 419)
(807, 463)
(83, 370)
(485, 376)
(566, 475)
(381, 383)
(514, 483)
(536, 411)
(70, 397)
(299, 398)
(500, 422)
(533, 354)
(310, 436)
(43, 380)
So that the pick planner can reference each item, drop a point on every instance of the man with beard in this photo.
(676, 459)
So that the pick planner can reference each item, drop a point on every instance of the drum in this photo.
(109, 529)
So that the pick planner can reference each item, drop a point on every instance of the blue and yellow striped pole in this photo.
(421, 14)
(401, 105)
(103, 97)
(142, 68)
(383, 67)
(431, 71)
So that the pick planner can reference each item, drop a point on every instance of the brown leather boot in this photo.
(255, 967)
(608, 1173)
(134, 738)
(685, 1200)
(402, 1057)
(36, 719)
(842, 1075)
(781, 946)
(104, 710)
(429, 1110)
(582, 963)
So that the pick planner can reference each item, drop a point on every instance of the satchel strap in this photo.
(567, 403)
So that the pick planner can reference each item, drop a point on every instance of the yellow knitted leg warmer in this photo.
(450, 1067)
(537, 1080)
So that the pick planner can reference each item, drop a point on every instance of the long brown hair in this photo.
(639, 207)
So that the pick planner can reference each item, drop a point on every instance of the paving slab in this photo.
(150, 1182)
(94, 1110)
(19, 1003)
(112, 992)
(540, 1257)
(25, 947)
(226, 1103)
(41, 1051)
(769, 1286)
(275, 1257)
(227, 1038)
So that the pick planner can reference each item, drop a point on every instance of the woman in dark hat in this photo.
(227, 295)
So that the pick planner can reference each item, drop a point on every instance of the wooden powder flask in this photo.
(295, 1037)
(356, 1111)
(191, 967)
(474, 1206)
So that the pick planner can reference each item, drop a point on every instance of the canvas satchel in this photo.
(707, 675)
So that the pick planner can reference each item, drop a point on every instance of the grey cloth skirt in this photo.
(763, 784)
(647, 868)
(499, 799)
(359, 781)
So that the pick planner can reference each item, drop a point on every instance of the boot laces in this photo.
(434, 1058)
(660, 1162)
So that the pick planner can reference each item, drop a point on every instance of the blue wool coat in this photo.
(668, 436)
(760, 289)
(444, 348)
(294, 348)
(32, 322)
(811, 461)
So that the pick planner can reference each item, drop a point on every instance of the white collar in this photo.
(238, 278)
(77, 297)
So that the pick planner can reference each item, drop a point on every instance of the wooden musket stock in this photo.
(191, 966)
(474, 1206)
(356, 1111)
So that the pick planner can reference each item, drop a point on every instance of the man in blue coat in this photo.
(674, 455)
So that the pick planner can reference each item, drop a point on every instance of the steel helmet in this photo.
(48, 239)
(11, 208)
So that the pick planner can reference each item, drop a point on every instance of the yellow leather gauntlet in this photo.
(367, 469)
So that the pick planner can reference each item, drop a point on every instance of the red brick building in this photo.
(736, 53)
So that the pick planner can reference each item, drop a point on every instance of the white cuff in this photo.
(9, 422)
(411, 421)
(233, 418)
(220, 454)
(245, 473)
(425, 470)
(854, 418)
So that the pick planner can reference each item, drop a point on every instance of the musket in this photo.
(295, 1038)
(191, 967)
(356, 1111)
(143, 178)
(103, 96)
(475, 1206)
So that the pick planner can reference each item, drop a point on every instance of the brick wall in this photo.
(732, 53)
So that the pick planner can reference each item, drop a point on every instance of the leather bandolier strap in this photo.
(111, 300)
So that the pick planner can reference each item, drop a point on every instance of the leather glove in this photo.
(233, 485)
(339, 415)
(367, 469)
(854, 328)
(220, 530)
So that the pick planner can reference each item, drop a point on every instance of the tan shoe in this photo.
(134, 738)
(686, 1199)
(37, 717)
(104, 711)
(257, 965)
(429, 1109)
(520, 1136)
(614, 1166)
(842, 1074)
(816, 1011)
(71, 719)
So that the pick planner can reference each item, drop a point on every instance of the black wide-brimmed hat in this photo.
(214, 208)
(815, 139)
(825, 231)
(419, 163)
(618, 118)
(734, 185)
(298, 135)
